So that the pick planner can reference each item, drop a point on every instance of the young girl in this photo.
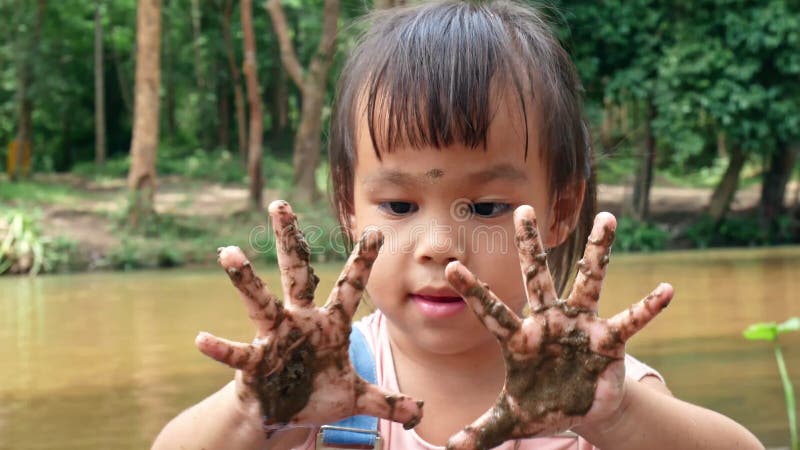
(454, 122)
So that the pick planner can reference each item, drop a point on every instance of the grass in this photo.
(26, 192)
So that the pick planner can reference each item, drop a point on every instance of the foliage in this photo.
(739, 231)
(127, 256)
(635, 236)
(220, 166)
(22, 245)
(62, 255)
(24, 249)
(710, 68)
(769, 331)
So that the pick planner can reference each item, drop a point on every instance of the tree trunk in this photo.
(142, 175)
(254, 101)
(312, 88)
(773, 186)
(168, 49)
(124, 88)
(99, 89)
(644, 174)
(19, 156)
(236, 81)
(726, 189)
(280, 103)
(198, 67)
(223, 112)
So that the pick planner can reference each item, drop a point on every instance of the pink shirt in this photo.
(396, 438)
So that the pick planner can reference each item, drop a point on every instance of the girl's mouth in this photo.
(438, 307)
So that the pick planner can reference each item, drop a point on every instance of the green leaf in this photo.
(764, 331)
(792, 324)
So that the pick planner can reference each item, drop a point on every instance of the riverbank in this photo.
(85, 214)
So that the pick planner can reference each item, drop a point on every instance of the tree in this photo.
(254, 101)
(773, 184)
(19, 154)
(236, 80)
(99, 88)
(312, 85)
(142, 174)
(617, 47)
(732, 70)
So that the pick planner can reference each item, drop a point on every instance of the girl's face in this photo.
(435, 206)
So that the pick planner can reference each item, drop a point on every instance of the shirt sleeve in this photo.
(637, 370)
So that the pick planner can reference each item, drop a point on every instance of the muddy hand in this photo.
(564, 364)
(297, 368)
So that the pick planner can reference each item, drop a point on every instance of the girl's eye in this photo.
(490, 209)
(398, 208)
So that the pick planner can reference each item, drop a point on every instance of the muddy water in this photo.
(103, 361)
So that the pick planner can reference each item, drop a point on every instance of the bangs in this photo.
(433, 88)
(419, 83)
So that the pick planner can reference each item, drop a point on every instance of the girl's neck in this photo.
(477, 365)
(457, 388)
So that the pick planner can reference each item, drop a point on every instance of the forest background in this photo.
(147, 133)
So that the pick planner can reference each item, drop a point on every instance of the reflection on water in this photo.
(101, 361)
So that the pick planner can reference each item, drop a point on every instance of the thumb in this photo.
(378, 402)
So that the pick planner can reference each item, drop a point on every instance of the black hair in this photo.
(429, 75)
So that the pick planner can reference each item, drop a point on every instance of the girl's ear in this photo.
(568, 207)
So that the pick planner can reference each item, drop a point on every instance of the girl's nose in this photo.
(440, 242)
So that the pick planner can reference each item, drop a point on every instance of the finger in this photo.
(533, 259)
(627, 323)
(235, 354)
(494, 314)
(378, 402)
(592, 267)
(355, 274)
(297, 276)
(490, 430)
(264, 309)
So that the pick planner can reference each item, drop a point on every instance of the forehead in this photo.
(502, 157)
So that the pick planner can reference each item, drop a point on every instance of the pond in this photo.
(104, 360)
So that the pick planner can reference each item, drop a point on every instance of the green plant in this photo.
(169, 256)
(739, 231)
(21, 243)
(128, 256)
(633, 236)
(61, 255)
(769, 331)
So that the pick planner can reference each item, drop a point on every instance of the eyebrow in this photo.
(407, 180)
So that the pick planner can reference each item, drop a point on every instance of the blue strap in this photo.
(364, 363)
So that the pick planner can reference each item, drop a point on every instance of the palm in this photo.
(298, 368)
(564, 364)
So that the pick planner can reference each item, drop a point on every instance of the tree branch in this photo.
(288, 55)
(327, 43)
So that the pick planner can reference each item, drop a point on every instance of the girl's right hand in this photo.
(297, 371)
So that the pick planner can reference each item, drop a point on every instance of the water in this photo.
(99, 361)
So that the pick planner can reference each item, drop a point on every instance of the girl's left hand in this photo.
(564, 364)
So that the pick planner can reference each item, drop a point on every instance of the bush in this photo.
(24, 249)
(62, 255)
(128, 256)
(635, 236)
(21, 243)
(739, 231)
